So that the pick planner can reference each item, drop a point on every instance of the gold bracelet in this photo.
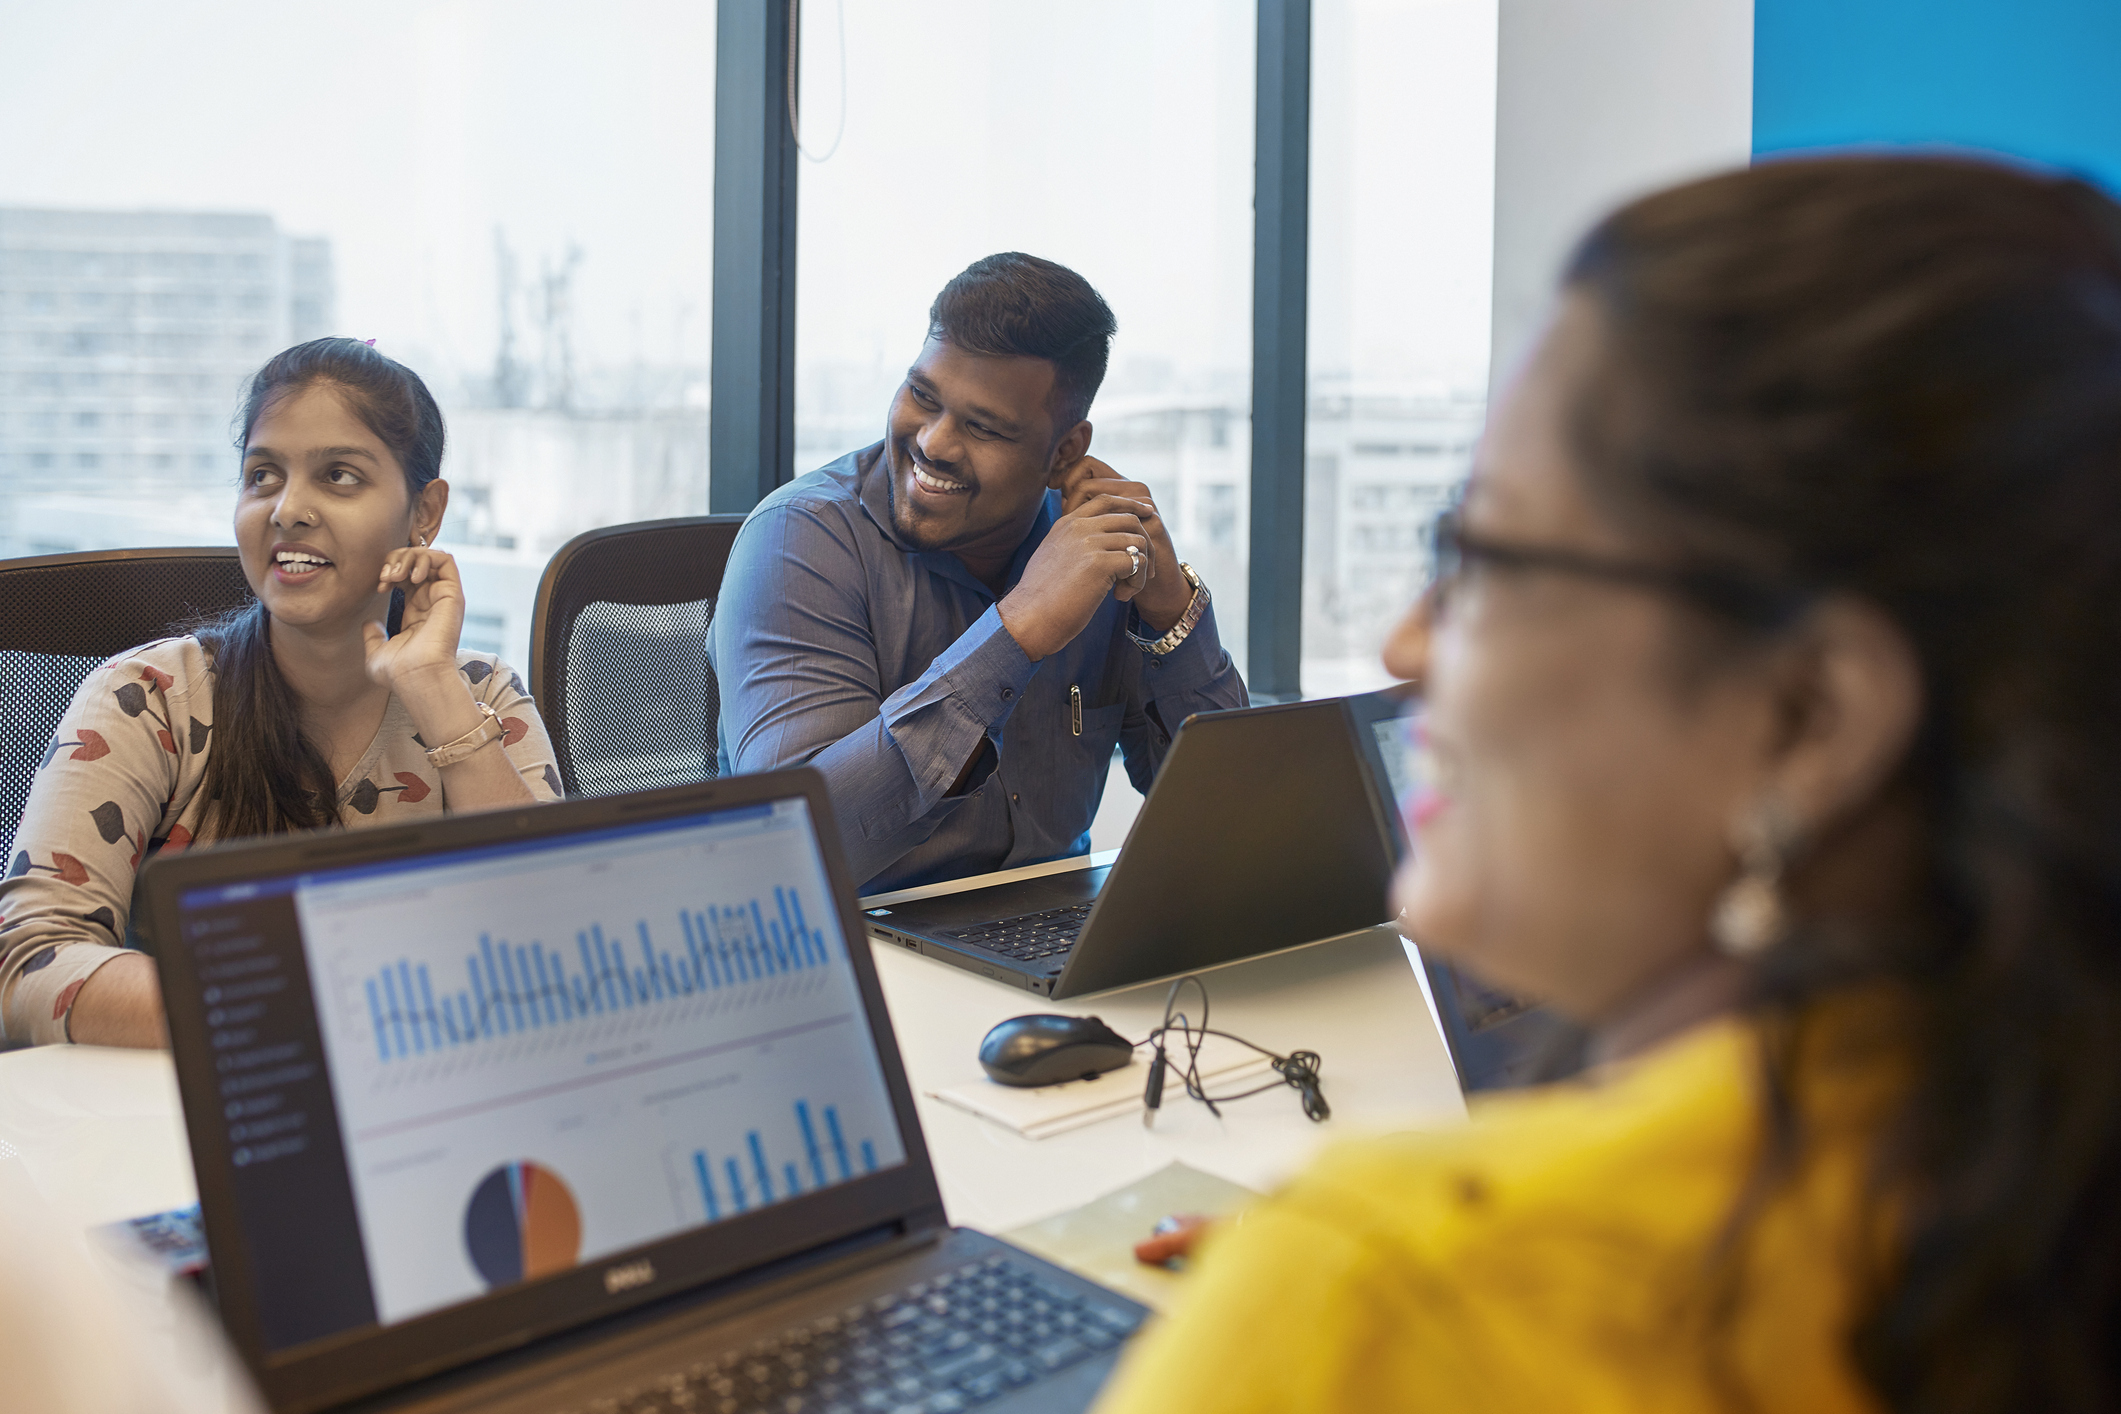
(488, 730)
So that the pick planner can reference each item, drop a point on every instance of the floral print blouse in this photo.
(120, 783)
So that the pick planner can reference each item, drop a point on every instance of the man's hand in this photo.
(1083, 559)
(1162, 595)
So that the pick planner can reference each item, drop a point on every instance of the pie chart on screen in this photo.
(522, 1223)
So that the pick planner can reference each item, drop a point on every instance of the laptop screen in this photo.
(535, 1054)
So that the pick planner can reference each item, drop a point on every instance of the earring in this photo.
(420, 540)
(1751, 915)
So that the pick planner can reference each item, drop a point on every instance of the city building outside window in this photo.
(1402, 222)
(1111, 136)
(514, 199)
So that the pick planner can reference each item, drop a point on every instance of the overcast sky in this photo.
(1114, 135)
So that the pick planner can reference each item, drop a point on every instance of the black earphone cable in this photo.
(1298, 1070)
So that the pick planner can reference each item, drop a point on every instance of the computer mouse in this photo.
(1046, 1050)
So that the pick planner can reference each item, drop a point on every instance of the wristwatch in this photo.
(1194, 609)
(489, 729)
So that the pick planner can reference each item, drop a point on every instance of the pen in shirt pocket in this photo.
(1108, 691)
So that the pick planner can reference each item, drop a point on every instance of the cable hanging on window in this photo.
(795, 128)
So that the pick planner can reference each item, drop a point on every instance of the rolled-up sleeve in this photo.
(796, 661)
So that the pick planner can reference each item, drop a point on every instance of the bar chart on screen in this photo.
(500, 988)
(537, 1050)
(800, 1151)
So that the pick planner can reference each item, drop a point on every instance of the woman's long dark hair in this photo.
(263, 776)
(1900, 379)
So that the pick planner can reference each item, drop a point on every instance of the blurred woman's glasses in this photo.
(1454, 552)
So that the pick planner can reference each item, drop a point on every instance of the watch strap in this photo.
(1198, 605)
(488, 730)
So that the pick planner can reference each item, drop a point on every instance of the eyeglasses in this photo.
(1749, 600)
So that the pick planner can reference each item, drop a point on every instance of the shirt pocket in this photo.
(1084, 763)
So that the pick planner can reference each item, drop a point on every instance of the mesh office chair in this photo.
(618, 653)
(62, 615)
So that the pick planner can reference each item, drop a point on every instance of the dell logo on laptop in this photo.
(628, 1275)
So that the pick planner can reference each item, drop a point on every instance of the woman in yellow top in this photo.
(1772, 679)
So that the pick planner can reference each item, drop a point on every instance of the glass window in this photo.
(514, 199)
(1402, 222)
(1111, 136)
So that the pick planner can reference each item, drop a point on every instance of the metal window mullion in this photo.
(751, 412)
(1280, 301)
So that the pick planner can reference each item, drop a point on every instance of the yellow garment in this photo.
(1557, 1254)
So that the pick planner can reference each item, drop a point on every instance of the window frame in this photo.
(751, 415)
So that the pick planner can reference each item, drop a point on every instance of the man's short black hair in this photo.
(1018, 305)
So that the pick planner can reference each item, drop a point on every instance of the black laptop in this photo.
(1267, 827)
(584, 1107)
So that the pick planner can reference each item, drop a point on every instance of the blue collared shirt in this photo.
(837, 645)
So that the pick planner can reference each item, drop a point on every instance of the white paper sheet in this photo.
(1055, 1109)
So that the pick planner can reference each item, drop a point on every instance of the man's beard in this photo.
(901, 523)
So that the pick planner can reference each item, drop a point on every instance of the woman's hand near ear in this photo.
(434, 616)
(420, 666)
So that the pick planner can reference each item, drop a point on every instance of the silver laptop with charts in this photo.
(584, 1107)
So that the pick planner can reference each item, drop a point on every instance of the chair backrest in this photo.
(618, 653)
(62, 615)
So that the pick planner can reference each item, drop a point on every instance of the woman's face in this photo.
(323, 501)
(1579, 826)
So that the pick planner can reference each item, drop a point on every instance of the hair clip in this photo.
(370, 342)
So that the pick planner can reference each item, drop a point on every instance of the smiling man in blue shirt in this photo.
(957, 624)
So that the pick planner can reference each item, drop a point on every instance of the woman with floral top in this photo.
(297, 712)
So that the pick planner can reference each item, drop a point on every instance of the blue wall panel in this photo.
(2036, 78)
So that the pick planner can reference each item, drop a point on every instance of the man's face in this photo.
(970, 448)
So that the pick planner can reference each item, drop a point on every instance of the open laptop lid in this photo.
(1379, 721)
(1265, 829)
(459, 1085)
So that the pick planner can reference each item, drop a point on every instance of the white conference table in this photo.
(101, 1134)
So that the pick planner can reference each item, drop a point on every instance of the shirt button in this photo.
(1156, 662)
(1015, 799)
(1007, 693)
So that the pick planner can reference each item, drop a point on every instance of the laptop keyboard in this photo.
(1028, 936)
(943, 1345)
